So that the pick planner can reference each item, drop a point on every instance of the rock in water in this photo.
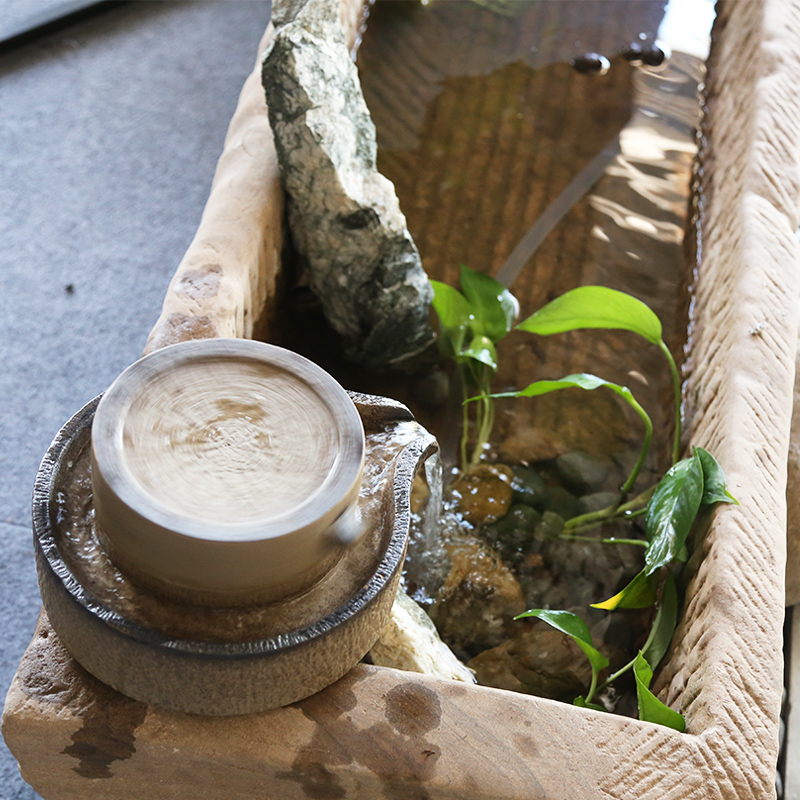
(344, 215)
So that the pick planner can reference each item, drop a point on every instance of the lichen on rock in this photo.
(345, 219)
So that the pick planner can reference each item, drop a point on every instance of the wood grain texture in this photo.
(378, 733)
(227, 282)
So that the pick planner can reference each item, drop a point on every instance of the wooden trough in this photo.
(381, 733)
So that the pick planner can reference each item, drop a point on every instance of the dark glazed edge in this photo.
(49, 557)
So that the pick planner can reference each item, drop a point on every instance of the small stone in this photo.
(590, 503)
(591, 64)
(654, 55)
(551, 527)
(528, 487)
(70, 288)
(480, 597)
(561, 501)
(538, 661)
(633, 53)
(484, 494)
(433, 390)
(513, 533)
(580, 471)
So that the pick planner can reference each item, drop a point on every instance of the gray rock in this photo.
(528, 487)
(550, 527)
(558, 499)
(598, 501)
(581, 471)
(346, 223)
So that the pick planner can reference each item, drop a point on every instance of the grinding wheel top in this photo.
(219, 466)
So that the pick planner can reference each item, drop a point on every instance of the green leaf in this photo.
(573, 626)
(714, 487)
(639, 593)
(663, 625)
(454, 314)
(494, 307)
(594, 307)
(483, 350)
(581, 703)
(671, 513)
(651, 709)
(580, 380)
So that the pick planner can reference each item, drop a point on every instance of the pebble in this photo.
(480, 597)
(580, 471)
(484, 494)
(513, 533)
(591, 64)
(598, 501)
(528, 486)
(550, 527)
(561, 501)
(540, 661)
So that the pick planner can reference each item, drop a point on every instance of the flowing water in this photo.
(551, 145)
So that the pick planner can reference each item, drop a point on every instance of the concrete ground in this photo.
(110, 132)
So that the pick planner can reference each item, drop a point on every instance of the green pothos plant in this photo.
(471, 323)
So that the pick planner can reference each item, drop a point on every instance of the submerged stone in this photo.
(357, 254)
(580, 471)
(528, 487)
(550, 527)
(598, 501)
(561, 501)
(480, 597)
(484, 494)
(540, 661)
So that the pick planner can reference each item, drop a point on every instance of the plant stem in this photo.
(676, 388)
(633, 508)
(592, 686)
(629, 665)
(485, 416)
(621, 671)
(462, 373)
(648, 435)
(610, 540)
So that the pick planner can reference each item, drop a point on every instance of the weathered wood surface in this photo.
(227, 282)
(383, 734)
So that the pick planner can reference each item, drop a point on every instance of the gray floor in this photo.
(110, 132)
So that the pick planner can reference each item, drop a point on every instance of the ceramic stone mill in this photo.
(217, 534)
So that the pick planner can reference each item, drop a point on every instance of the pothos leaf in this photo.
(714, 488)
(580, 380)
(493, 306)
(481, 349)
(573, 626)
(671, 513)
(454, 314)
(594, 307)
(651, 709)
(639, 593)
(663, 625)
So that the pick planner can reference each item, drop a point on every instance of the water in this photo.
(551, 145)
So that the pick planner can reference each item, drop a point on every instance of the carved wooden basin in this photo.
(384, 733)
